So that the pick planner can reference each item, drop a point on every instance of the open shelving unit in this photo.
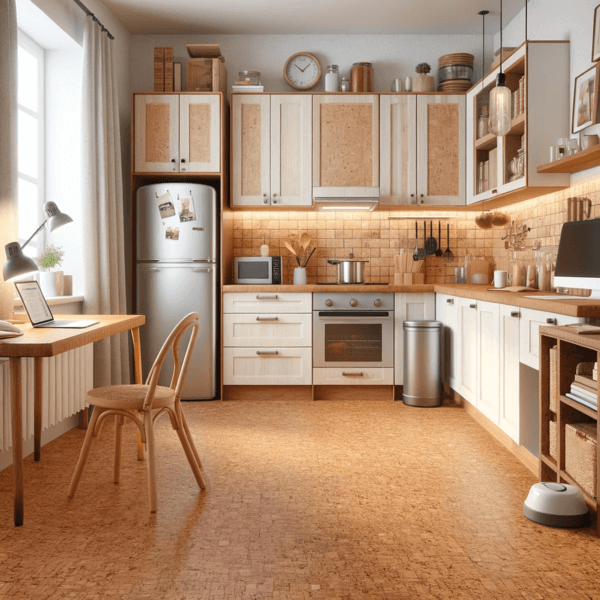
(586, 159)
(572, 349)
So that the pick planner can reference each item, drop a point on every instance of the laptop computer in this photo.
(39, 312)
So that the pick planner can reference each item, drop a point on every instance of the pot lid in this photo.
(422, 324)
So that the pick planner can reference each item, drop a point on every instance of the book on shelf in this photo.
(586, 382)
(582, 401)
(580, 391)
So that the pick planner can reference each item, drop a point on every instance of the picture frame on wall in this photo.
(596, 37)
(585, 99)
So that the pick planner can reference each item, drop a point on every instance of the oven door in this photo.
(353, 338)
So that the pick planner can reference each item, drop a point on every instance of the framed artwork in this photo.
(596, 37)
(585, 99)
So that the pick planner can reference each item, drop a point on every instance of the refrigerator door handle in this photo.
(202, 270)
(205, 260)
(152, 270)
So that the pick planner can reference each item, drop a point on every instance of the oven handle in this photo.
(333, 314)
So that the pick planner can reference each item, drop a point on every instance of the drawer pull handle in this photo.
(267, 318)
(450, 300)
(344, 374)
(551, 321)
(472, 305)
(515, 314)
(267, 352)
(266, 296)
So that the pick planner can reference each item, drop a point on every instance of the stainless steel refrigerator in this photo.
(176, 273)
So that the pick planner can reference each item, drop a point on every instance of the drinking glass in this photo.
(561, 147)
(573, 146)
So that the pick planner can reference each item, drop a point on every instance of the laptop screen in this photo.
(34, 302)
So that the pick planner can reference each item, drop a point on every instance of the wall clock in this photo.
(302, 71)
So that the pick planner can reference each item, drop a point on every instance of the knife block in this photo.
(407, 270)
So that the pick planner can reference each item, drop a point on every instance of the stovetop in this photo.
(343, 284)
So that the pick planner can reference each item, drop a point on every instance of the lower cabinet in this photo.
(353, 376)
(510, 390)
(487, 396)
(467, 347)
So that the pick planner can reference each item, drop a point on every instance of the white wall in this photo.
(392, 55)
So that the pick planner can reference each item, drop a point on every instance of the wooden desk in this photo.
(40, 343)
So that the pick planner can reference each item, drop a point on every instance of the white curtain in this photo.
(103, 235)
(8, 144)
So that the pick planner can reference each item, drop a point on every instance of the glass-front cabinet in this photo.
(537, 74)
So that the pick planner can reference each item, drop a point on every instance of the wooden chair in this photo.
(143, 404)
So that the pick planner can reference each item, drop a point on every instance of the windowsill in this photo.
(55, 300)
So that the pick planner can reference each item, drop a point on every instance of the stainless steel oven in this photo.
(353, 330)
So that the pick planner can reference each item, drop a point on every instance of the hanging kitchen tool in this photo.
(416, 252)
(439, 252)
(448, 256)
(422, 253)
(430, 243)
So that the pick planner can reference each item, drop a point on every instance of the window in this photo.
(30, 141)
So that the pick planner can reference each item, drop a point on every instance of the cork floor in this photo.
(327, 500)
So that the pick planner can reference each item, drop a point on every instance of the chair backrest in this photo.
(172, 343)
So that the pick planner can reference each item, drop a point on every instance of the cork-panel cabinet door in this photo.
(156, 134)
(250, 140)
(346, 141)
(200, 138)
(441, 147)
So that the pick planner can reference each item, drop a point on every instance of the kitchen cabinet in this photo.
(177, 133)
(422, 149)
(345, 145)
(487, 397)
(467, 332)
(509, 352)
(353, 376)
(271, 150)
(243, 330)
(409, 307)
(448, 311)
(545, 68)
(267, 302)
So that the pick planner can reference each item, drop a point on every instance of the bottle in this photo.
(332, 78)
(483, 123)
(345, 86)
(361, 77)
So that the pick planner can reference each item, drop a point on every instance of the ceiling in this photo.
(310, 16)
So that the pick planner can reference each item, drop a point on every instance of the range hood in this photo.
(357, 198)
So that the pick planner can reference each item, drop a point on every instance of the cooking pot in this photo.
(349, 270)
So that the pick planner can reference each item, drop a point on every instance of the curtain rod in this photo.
(89, 13)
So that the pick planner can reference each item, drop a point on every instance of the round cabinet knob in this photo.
(377, 303)
(353, 302)
(328, 302)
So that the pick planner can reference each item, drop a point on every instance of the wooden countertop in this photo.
(565, 306)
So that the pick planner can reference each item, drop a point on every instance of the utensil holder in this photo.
(299, 276)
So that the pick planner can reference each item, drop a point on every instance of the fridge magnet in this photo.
(585, 99)
(172, 233)
(165, 205)
(186, 209)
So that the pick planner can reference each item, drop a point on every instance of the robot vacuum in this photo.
(556, 505)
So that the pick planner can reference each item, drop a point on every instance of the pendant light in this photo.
(500, 99)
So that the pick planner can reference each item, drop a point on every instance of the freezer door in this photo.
(196, 232)
(165, 294)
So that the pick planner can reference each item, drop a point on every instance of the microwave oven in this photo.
(257, 270)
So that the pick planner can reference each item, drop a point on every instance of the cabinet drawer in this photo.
(353, 376)
(267, 366)
(267, 330)
(267, 302)
(531, 321)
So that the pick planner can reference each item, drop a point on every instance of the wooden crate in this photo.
(206, 75)
(163, 69)
(552, 439)
(581, 455)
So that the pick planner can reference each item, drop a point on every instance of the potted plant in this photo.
(50, 281)
(423, 82)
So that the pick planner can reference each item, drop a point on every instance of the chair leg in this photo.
(119, 421)
(189, 437)
(191, 458)
(85, 452)
(151, 459)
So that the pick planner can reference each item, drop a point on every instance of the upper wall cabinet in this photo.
(177, 133)
(422, 150)
(537, 74)
(345, 145)
(271, 150)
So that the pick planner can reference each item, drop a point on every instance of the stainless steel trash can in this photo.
(422, 363)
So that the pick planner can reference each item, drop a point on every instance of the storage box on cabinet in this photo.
(353, 376)
(267, 302)
(291, 330)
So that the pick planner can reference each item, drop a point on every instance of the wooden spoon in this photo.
(304, 242)
(289, 247)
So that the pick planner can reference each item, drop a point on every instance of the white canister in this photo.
(264, 250)
(332, 79)
(299, 276)
(500, 279)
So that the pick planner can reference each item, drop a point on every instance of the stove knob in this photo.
(328, 302)
(353, 302)
(377, 303)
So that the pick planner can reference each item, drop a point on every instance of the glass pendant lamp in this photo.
(500, 99)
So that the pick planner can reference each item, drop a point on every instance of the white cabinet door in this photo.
(467, 316)
(409, 307)
(250, 150)
(265, 302)
(251, 330)
(291, 150)
(509, 370)
(487, 398)
(353, 376)
(531, 321)
(200, 133)
(452, 342)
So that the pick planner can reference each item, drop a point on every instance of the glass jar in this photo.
(345, 85)
(483, 123)
(361, 77)
(332, 78)
(250, 77)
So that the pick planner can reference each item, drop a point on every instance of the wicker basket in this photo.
(553, 379)
(552, 439)
(580, 455)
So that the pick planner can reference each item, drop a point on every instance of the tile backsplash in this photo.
(377, 238)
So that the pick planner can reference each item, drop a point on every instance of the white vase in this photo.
(408, 84)
(48, 281)
(299, 276)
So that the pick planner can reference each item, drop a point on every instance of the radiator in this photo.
(66, 379)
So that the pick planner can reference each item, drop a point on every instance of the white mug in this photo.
(500, 279)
